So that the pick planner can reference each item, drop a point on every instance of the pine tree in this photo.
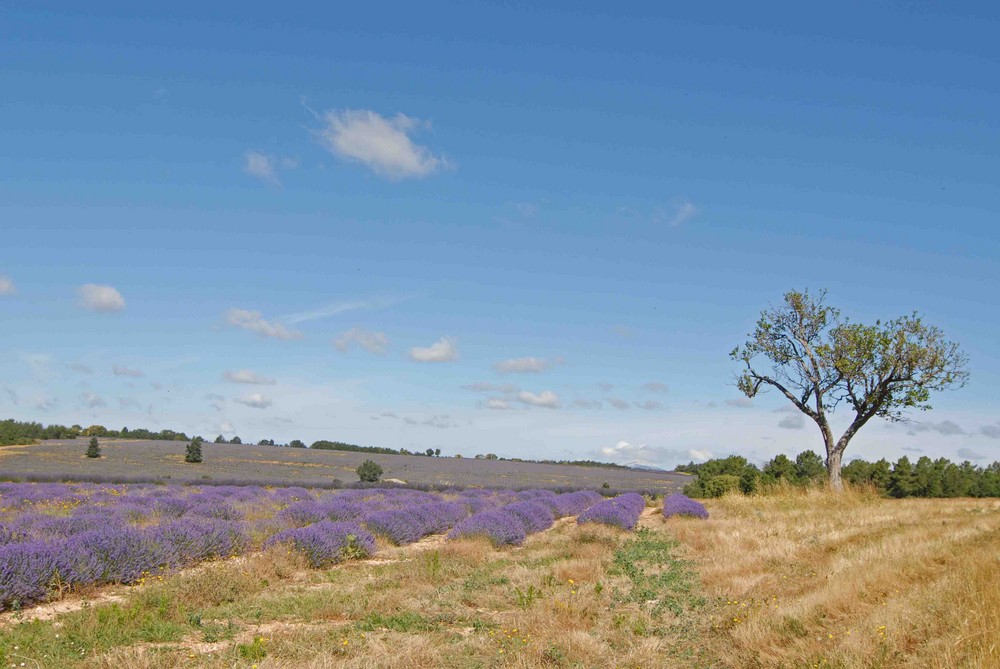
(193, 453)
(93, 450)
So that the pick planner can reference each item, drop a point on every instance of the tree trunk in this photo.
(833, 459)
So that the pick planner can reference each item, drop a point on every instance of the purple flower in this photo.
(325, 543)
(622, 511)
(682, 505)
(500, 526)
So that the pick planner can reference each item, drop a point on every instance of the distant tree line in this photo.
(924, 478)
(17, 432)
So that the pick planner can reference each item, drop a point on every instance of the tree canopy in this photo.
(819, 361)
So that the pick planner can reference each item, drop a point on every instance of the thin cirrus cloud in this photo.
(443, 350)
(525, 365)
(381, 144)
(793, 421)
(92, 401)
(7, 286)
(682, 212)
(255, 401)
(655, 387)
(247, 376)
(253, 321)
(122, 370)
(373, 342)
(100, 298)
(344, 306)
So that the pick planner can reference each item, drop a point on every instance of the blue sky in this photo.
(487, 227)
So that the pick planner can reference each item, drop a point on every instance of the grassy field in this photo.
(796, 580)
(299, 466)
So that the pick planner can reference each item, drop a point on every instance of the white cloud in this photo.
(526, 208)
(443, 350)
(12, 394)
(247, 376)
(7, 286)
(624, 452)
(97, 297)
(121, 370)
(648, 405)
(80, 367)
(260, 166)
(525, 365)
(655, 387)
(373, 342)
(253, 321)
(255, 400)
(969, 454)
(946, 427)
(991, 431)
(545, 399)
(380, 144)
(226, 427)
(793, 421)
(92, 401)
(45, 403)
(129, 404)
(498, 403)
(605, 386)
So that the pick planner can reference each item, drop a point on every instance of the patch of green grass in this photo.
(407, 621)
(655, 574)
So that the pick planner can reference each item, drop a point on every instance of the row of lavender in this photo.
(59, 536)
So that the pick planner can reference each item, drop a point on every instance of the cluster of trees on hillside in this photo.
(17, 432)
(925, 478)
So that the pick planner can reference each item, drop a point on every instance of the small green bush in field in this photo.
(93, 450)
(369, 472)
(193, 453)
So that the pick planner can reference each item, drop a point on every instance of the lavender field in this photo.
(57, 537)
(124, 459)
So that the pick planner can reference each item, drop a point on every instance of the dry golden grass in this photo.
(801, 579)
(811, 579)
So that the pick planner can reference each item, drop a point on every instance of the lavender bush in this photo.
(326, 543)
(622, 511)
(501, 527)
(682, 505)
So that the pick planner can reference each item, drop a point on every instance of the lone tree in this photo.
(369, 472)
(93, 450)
(819, 361)
(193, 453)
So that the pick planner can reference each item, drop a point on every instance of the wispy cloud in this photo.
(381, 144)
(253, 321)
(344, 306)
(648, 405)
(525, 365)
(373, 342)
(122, 370)
(79, 367)
(624, 452)
(487, 387)
(970, 454)
(247, 376)
(793, 421)
(740, 403)
(92, 401)
(991, 431)
(680, 213)
(260, 166)
(443, 350)
(946, 428)
(7, 286)
(655, 387)
(100, 298)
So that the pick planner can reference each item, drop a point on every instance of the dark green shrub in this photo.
(369, 472)
(718, 486)
(93, 450)
(193, 453)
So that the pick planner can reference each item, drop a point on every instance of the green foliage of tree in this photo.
(819, 361)
(369, 472)
(235, 440)
(18, 432)
(220, 439)
(341, 446)
(193, 452)
(93, 449)
(296, 443)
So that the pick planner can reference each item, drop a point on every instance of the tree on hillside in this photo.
(220, 439)
(818, 361)
(235, 440)
(296, 443)
(193, 453)
(93, 450)
(369, 472)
